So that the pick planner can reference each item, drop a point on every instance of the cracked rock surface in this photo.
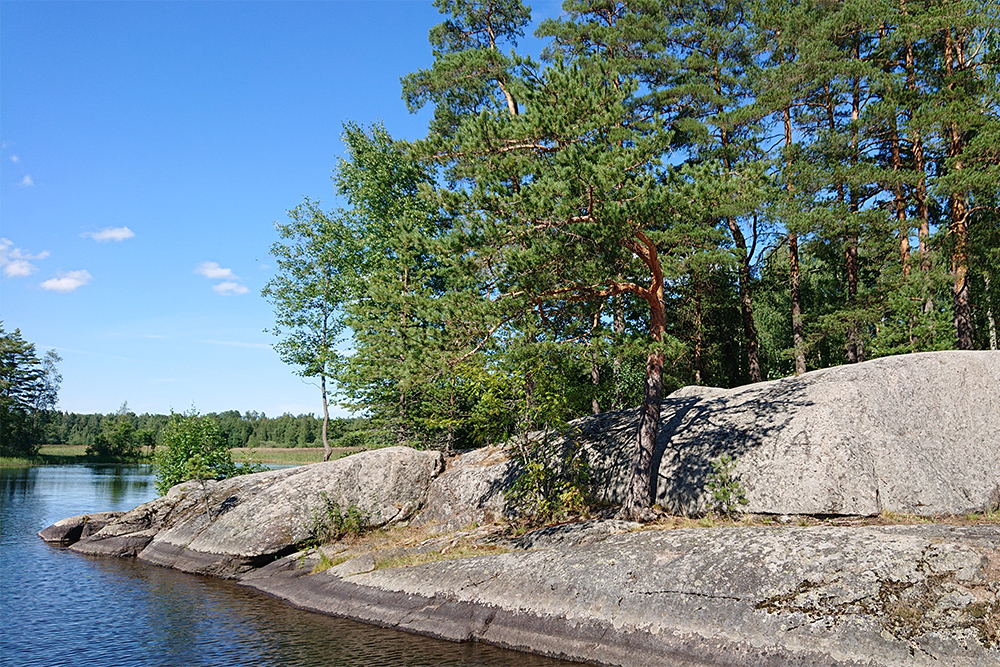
(875, 596)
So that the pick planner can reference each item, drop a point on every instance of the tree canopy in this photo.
(694, 192)
(29, 389)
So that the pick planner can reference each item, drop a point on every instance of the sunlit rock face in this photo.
(917, 433)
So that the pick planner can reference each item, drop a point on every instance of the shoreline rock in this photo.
(873, 596)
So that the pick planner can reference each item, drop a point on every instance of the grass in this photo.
(288, 455)
(69, 454)
(467, 550)
(53, 455)
(325, 562)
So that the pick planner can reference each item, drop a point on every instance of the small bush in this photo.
(331, 523)
(195, 448)
(553, 484)
(727, 491)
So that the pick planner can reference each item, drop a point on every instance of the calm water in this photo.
(60, 608)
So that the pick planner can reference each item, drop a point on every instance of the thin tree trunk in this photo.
(618, 327)
(746, 304)
(899, 199)
(920, 189)
(699, 335)
(960, 270)
(743, 273)
(595, 381)
(798, 335)
(855, 351)
(327, 450)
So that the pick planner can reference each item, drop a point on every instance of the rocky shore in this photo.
(893, 595)
(917, 434)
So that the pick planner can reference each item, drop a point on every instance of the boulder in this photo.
(227, 527)
(917, 433)
(71, 529)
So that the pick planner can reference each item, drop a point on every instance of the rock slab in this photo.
(872, 596)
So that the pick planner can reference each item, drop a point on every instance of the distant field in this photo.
(64, 454)
(62, 450)
(48, 455)
(289, 456)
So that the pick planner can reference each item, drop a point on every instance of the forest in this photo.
(692, 192)
(249, 429)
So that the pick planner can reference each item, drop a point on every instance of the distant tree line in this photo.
(248, 429)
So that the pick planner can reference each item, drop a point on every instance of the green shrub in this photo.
(330, 522)
(554, 480)
(727, 491)
(195, 448)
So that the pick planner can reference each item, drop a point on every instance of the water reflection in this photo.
(117, 482)
(77, 610)
(17, 483)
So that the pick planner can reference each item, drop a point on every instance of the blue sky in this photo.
(147, 150)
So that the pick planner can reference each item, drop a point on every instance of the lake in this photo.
(60, 608)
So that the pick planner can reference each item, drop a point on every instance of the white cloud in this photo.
(16, 263)
(67, 281)
(230, 287)
(110, 234)
(26, 181)
(213, 271)
(15, 159)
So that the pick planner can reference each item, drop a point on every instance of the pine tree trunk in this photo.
(618, 327)
(699, 334)
(899, 200)
(920, 189)
(638, 494)
(798, 335)
(639, 490)
(960, 271)
(743, 255)
(595, 381)
(746, 304)
(855, 351)
(958, 210)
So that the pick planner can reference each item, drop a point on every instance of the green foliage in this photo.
(331, 522)
(119, 439)
(728, 493)
(248, 429)
(554, 481)
(193, 447)
(28, 393)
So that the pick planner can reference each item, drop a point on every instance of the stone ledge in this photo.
(874, 596)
